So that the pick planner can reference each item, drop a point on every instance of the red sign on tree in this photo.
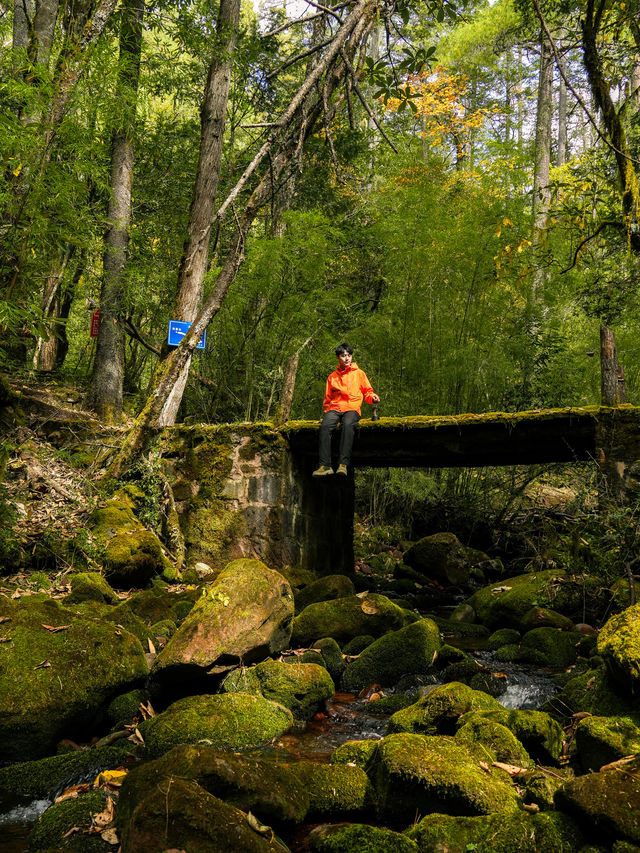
(95, 322)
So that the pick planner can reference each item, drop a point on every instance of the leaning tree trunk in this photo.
(108, 371)
(44, 357)
(193, 265)
(611, 377)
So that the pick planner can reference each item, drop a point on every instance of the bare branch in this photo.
(588, 240)
(297, 58)
(364, 102)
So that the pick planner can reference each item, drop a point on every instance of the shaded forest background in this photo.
(472, 267)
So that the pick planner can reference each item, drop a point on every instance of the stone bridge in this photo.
(247, 490)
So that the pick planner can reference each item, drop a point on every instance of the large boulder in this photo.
(57, 672)
(498, 833)
(537, 731)
(231, 721)
(551, 647)
(506, 604)
(592, 692)
(89, 586)
(416, 774)
(439, 711)
(442, 557)
(243, 616)
(324, 589)
(300, 687)
(178, 814)
(346, 618)
(65, 825)
(601, 740)
(409, 651)
(498, 738)
(619, 645)
(607, 803)
(358, 838)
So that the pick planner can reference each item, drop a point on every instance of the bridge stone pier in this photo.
(247, 490)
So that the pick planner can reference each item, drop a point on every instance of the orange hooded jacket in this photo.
(346, 388)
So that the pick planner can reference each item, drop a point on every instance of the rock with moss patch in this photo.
(358, 752)
(359, 838)
(544, 617)
(439, 711)
(123, 708)
(331, 657)
(163, 630)
(346, 618)
(619, 645)
(441, 557)
(537, 731)
(132, 559)
(66, 825)
(324, 589)
(515, 832)
(387, 705)
(593, 692)
(157, 603)
(336, 791)
(601, 740)
(55, 683)
(230, 721)
(607, 802)
(540, 785)
(243, 616)
(505, 604)
(186, 817)
(417, 774)
(409, 651)
(497, 738)
(301, 687)
(89, 586)
(549, 647)
(358, 644)
(503, 637)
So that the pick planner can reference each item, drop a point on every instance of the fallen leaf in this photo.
(370, 608)
(255, 824)
(152, 648)
(533, 808)
(55, 629)
(71, 831)
(110, 835)
(43, 665)
(146, 710)
(104, 818)
(484, 766)
(72, 792)
(5, 619)
(110, 777)
(511, 769)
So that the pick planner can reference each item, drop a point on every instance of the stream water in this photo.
(345, 718)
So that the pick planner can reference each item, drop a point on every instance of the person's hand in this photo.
(375, 398)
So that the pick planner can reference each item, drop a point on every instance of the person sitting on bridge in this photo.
(346, 388)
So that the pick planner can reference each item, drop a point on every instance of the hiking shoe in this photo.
(342, 469)
(322, 471)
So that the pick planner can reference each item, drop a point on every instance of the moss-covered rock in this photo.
(540, 786)
(269, 789)
(409, 651)
(417, 774)
(493, 683)
(619, 645)
(606, 802)
(180, 815)
(157, 603)
(441, 557)
(439, 711)
(358, 752)
(538, 732)
(359, 838)
(124, 617)
(503, 637)
(601, 740)
(242, 616)
(515, 832)
(336, 791)
(549, 647)
(54, 829)
(544, 617)
(54, 683)
(331, 657)
(508, 653)
(358, 644)
(505, 604)
(132, 559)
(462, 670)
(89, 586)
(346, 618)
(163, 630)
(45, 778)
(387, 705)
(301, 687)
(497, 738)
(123, 708)
(593, 692)
(324, 589)
(230, 721)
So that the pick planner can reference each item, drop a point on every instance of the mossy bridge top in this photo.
(246, 489)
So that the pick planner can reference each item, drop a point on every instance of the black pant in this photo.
(330, 421)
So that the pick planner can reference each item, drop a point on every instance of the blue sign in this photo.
(178, 329)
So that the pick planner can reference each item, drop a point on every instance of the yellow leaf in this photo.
(508, 222)
(17, 170)
(113, 777)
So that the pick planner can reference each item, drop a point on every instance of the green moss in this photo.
(358, 644)
(336, 791)
(358, 752)
(90, 586)
(503, 637)
(439, 711)
(417, 774)
(388, 704)
(591, 691)
(498, 738)
(538, 732)
(132, 559)
(541, 786)
(508, 653)
(125, 707)
(619, 645)
(346, 618)
(230, 721)
(516, 832)
(59, 819)
(331, 656)
(601, 740)
(324, 589)
(549, 647)
(359, 838)
(164, 629)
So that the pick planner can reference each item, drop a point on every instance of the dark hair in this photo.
(342, 348)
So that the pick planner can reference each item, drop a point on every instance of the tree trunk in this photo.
(22, 15)
(108, 371)
(290, 131)
(283, 409)
(561, 156)
(212, 121)
(44, 357)
(42, 31)
(544, 115)
(608, 368)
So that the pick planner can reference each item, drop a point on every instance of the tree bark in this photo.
(42, 31)
(561, 155)
(108, 371)
(608, 368)
(44, 357)
(22, 15)
(544, 115)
